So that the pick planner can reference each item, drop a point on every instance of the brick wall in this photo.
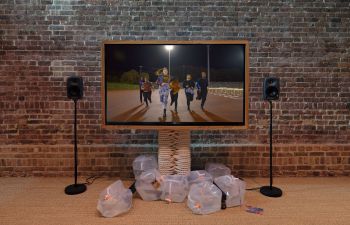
(305, 43)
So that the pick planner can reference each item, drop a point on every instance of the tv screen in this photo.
(175, 83)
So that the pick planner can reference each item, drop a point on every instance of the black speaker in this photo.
(271, 88)
(75, 87)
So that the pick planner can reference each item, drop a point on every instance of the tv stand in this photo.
(174, 152)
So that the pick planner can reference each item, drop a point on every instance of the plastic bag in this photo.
(198, 176)
(114, 200)
(217, 169)
(174, 188)
(233, 187)
(148, 185)
(143, 163)
(204, 198)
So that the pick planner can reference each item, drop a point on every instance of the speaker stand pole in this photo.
(271, 191)
(75, 188)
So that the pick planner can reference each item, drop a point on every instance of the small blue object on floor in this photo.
(254, 210)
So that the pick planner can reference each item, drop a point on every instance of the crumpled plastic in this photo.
(114, 200)
(217, 169)
(174, 188)
(143, 163)
(198, 176)
(148, 185)
(204, 198)
(233, 187)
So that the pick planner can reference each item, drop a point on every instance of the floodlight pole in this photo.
(169, 61)
(169, 48)
(208, 63)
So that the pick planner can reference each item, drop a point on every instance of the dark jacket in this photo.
(188, 85)
(202, 85)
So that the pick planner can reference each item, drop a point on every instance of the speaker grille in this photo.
(271, 88)
(75, 87)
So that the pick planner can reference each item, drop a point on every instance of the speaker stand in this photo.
(75, 188)
(271, 191)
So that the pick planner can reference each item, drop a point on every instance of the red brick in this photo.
(307, 53)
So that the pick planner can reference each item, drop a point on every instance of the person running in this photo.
(189, 85)
(202, 87)
(163, 82)
(146, 90)
(140, 87)
(174, 93)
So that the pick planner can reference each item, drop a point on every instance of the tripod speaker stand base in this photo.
(75, 189)
(271, 191)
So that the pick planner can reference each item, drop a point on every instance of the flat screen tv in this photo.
(184, 84)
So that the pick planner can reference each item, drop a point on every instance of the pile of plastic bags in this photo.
(207, 191)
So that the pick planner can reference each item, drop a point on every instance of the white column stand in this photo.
(174, 153)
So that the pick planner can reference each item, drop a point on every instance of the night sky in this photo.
(226, 61)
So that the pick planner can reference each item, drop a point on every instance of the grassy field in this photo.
(121, 86)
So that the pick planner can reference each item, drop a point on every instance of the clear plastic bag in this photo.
(114, 200)
(198, 176)
(174, 188)
(148, 185)
(233, 187)
(217, 169)
(143, 163)
(204, 198)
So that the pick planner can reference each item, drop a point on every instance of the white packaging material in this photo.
(204, 198)
(143, 163)
(233, 187)
(174, 188)
(148, 185)
(217, 169)
(114, 200)
(198, 176)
